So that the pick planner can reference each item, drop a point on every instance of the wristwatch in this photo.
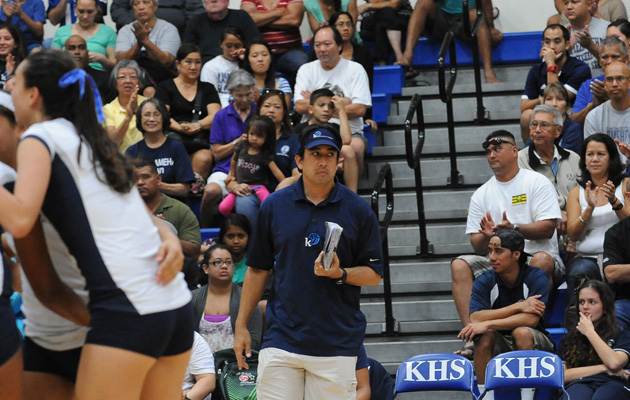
(343, 278)
(617, 207)
(553, 68)
(516, 228)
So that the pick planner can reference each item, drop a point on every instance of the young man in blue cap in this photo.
(314, 325)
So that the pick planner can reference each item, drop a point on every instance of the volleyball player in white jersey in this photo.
(141, 320)
(53, 344)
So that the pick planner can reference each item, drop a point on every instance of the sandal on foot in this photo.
(467, 351)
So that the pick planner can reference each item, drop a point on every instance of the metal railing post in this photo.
(390, 327)
(413, 161)
(446, 95)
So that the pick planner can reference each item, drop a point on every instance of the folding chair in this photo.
(525, 369)
(434, 372)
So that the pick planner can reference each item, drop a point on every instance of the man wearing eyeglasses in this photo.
(592, 92)
(513, 198)
(613, 117)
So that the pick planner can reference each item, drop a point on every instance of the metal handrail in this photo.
(448, 47)
(446, 95)
(413, 161)
(385, 176)
(471, 33)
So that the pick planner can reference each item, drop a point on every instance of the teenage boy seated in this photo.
(507, 305)
(323, 105)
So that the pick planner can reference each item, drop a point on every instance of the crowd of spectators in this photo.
(567, 219)
(201, 97)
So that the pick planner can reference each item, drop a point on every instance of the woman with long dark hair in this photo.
(596, 350)
(258, 61)
(74, 174)
(12, 50)
(595, 205)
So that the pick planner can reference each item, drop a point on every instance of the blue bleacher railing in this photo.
(472, 35)
(413, 161)
(385, 177)
(446, 95)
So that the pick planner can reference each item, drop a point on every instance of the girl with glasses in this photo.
(216, 303)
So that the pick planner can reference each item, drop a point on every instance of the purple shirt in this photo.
(227, 126)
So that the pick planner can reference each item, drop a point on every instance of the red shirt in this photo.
(280, 40)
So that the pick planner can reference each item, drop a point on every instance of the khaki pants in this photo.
(284, 375)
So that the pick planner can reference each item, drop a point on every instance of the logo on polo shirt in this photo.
(519, 199)
(311, 240)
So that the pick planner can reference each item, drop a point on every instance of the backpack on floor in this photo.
(233, 384)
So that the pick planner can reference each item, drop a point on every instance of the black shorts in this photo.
(436, 29)
(11, 338)
(159, 334)
(61, 363)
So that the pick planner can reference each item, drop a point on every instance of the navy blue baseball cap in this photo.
(320, 137)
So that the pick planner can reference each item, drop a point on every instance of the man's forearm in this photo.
(501, 313)
(190, 249)
(513, 322)
(362, 276)
(58, 13)
(617, 273)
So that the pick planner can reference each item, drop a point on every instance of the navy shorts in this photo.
(61, 363)
(11, 338)
(155, 335)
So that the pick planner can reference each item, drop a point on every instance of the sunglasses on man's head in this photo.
(495, 141)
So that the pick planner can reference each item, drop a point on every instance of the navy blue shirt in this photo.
(572, 74)
(170, 158)
(490, 293)
(286, 149)
(308, 314)
(572, 136)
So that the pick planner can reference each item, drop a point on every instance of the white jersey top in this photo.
(111, 235)
(44, 327)
(347, 79)
(217, 71)
(527, 198)
(603, 217)
(201, 362)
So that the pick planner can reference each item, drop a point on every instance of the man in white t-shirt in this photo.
(346, 79)
(587, 33)
(513, 198)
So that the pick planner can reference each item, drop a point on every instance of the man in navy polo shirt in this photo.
(507, 305)
(314, 325)
(556, 66)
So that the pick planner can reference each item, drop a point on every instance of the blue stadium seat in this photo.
(524, 369)
(436, 372)
(209, 233)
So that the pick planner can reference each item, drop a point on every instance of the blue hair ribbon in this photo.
(79, 75)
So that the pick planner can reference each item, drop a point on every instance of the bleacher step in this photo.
(435, 172)
(438, 204)
(438, 310)
(416, 327)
